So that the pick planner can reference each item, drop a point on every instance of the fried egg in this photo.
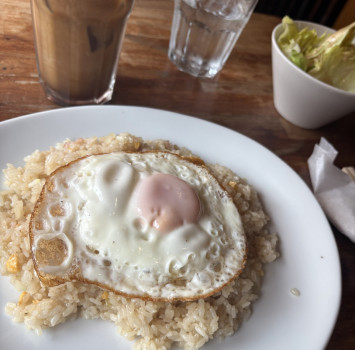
(152, 225)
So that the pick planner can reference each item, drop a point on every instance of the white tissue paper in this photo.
(334, 190)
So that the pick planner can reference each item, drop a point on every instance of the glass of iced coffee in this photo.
(78, 43)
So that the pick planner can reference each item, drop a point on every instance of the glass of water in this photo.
(204, 32)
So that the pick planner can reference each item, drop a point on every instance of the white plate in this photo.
(309, 261)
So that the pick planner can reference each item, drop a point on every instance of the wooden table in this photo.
(240, 98)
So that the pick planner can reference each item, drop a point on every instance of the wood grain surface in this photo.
(240, 98)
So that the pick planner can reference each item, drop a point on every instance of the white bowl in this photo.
(300, 98)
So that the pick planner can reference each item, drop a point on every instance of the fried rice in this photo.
(149, 325)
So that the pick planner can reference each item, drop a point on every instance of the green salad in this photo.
(329, 57)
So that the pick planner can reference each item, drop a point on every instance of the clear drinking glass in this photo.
(78, 43)
(204, 32)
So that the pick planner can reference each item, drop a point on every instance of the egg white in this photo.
(110, 244)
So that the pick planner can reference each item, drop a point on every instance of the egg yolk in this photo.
(166, 202)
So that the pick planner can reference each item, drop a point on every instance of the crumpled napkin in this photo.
(333, 188)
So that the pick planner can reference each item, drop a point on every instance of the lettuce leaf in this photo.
(329, 58)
